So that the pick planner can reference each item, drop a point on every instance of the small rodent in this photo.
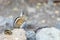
(8, 32)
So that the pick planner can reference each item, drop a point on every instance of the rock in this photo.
(30, 35)
(17, 34)
(58, 25)
(48, 34)
(2, 21)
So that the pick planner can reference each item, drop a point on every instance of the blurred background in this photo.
(39, 13)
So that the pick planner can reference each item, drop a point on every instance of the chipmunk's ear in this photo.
(21, 13)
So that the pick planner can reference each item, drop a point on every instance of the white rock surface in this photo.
(48, 34)
(18, 34)
(2, 21)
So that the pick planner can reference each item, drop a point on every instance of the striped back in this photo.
(19, 21)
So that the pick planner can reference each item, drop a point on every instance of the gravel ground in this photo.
(44, 17)
(37, 14)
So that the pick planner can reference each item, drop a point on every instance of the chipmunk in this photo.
(19, 20)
